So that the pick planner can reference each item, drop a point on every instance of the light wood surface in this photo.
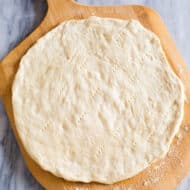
(164, 174)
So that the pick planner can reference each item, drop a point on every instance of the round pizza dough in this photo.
(96, 100)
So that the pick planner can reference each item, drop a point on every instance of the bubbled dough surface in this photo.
(96, 100)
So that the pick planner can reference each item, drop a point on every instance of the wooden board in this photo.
(164, 174)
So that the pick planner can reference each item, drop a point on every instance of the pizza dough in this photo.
(96, 100)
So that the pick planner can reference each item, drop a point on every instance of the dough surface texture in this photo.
(96, 100)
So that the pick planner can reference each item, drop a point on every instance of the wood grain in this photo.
(164, 174)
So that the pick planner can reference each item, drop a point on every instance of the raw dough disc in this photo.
(96, 100)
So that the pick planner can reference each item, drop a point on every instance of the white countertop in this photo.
(17, 19)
